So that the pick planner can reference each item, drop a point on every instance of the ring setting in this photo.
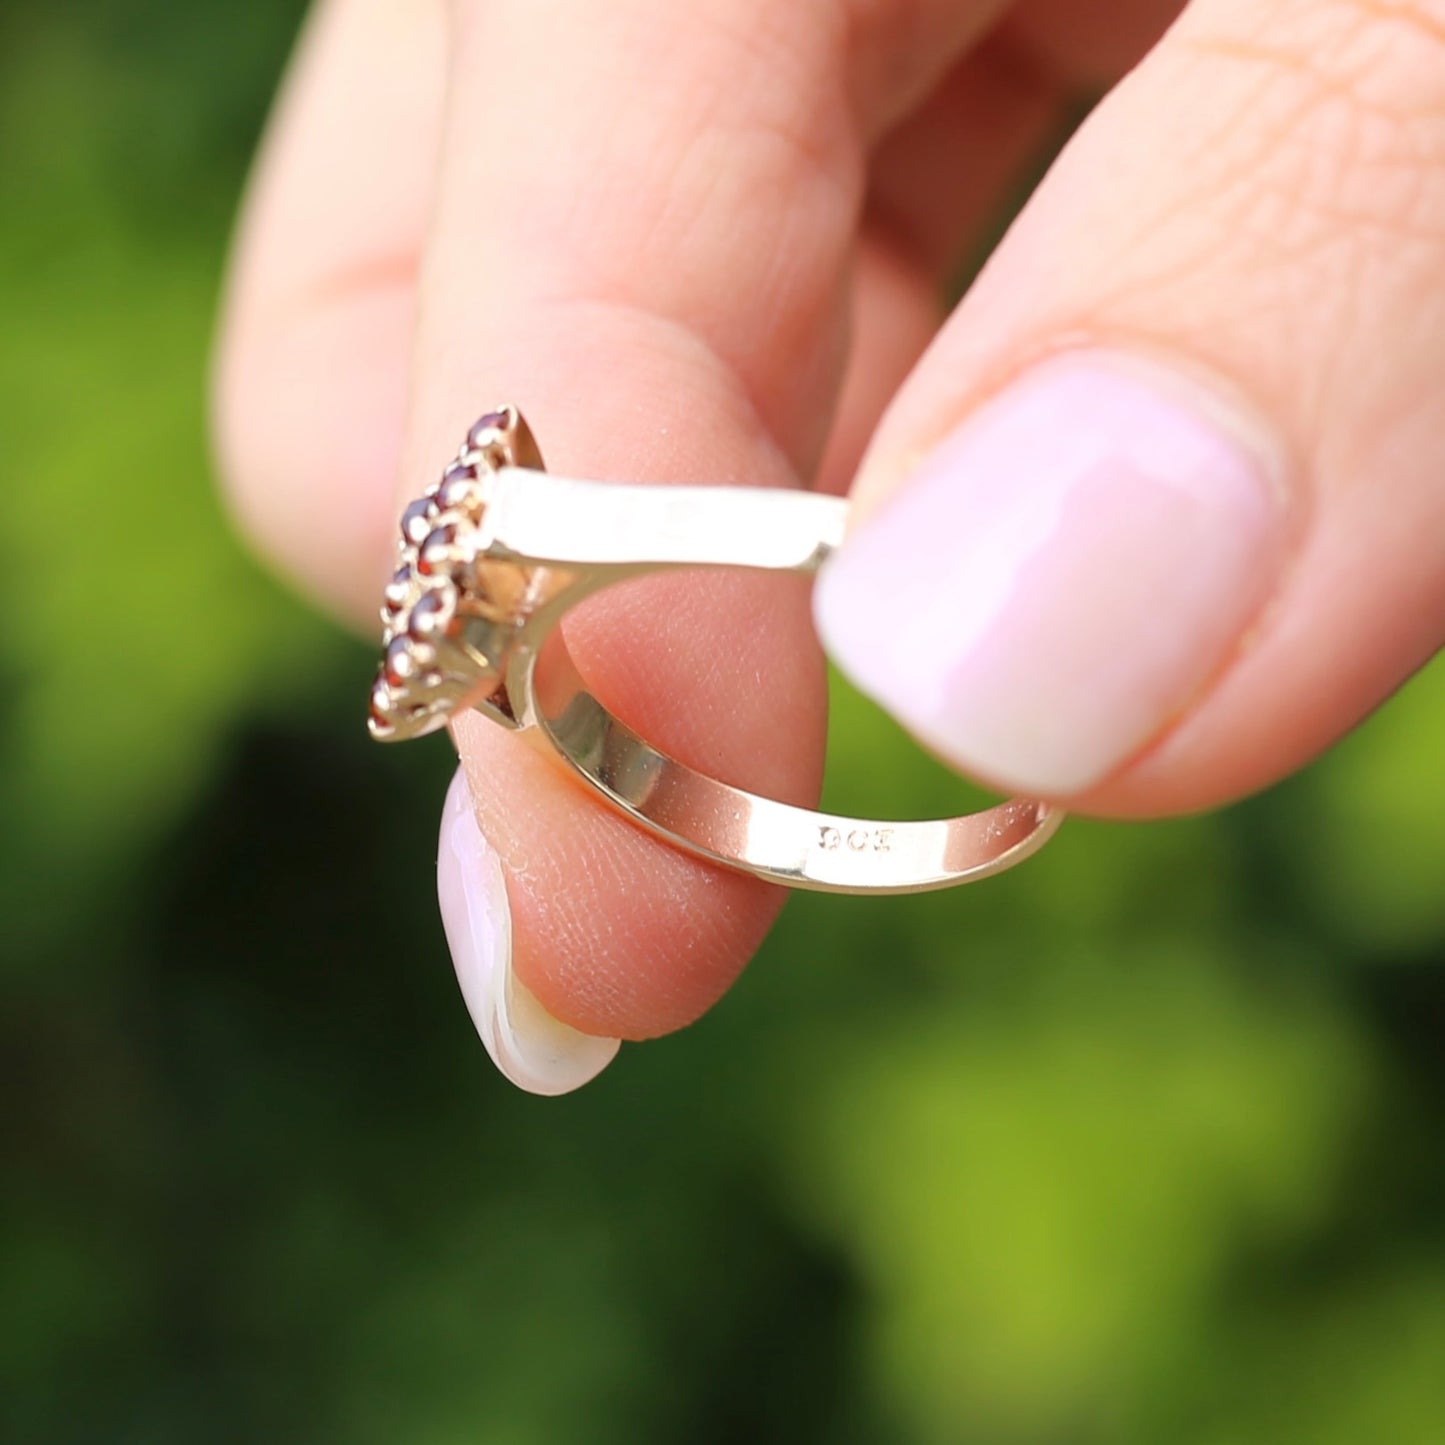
(449, 617)
(497, 550)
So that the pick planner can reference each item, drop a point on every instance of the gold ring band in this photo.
(497, 551)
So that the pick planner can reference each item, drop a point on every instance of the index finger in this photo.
(622, 195)
(643, 227)
(643, 234)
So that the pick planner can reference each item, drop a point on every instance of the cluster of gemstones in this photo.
(425, 669)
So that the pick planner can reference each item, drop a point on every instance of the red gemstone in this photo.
(400, 665)
(493, 421)
(430, 615)
(416, 520)
(457, 493)
(380, 703)
(395, 592)
(434, 548)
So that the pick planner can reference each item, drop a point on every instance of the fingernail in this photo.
(535, 1051)
(1064, 573)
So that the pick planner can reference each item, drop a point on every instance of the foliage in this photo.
(1138, 1143)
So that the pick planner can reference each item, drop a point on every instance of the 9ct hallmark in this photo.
(495, 553)
(856, 840)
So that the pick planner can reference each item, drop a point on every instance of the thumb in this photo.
(1161, 513)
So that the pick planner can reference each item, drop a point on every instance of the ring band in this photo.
(497, 551)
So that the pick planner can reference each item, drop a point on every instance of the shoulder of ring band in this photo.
(495, 552)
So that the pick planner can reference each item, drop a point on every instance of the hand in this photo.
(1163, 502)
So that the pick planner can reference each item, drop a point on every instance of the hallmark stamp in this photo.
(855, 840)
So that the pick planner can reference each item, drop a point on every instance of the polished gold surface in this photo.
(497, 551)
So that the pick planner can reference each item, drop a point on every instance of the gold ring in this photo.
(496, 552)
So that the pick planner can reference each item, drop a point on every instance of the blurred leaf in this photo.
(1128, 1145)
(1361, 1363)
(1378, 854)
(1043, 1199)
(145, 629)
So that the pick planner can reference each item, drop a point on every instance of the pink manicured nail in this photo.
(527, 1044)
(1064, 573)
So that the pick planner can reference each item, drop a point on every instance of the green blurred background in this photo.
(1140, 1143)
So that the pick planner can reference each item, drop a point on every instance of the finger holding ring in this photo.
(497, 551)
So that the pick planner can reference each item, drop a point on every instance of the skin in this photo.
(707, 241)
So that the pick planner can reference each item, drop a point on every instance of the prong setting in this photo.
(446, 635)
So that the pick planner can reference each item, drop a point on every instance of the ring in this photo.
(493, 555)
